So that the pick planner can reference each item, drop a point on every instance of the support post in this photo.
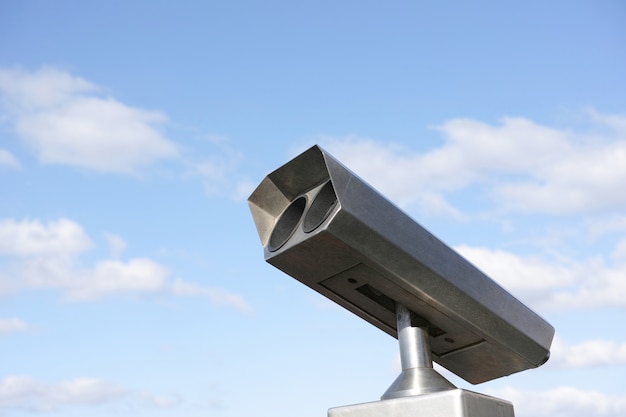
(420, 391)
(418, 376)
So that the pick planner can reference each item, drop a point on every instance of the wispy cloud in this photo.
(47, 256)
(12, 325)
(68, 120)
(565, 401)
(159, 401)
(217, 168)
(522, 165)
(215, 295)
(590, 353)
(26, 393)
(7, 160)
(117, 245)
(31, 237)
(553, 285)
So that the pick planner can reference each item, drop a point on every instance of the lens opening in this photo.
(287, 224)
(321, 207)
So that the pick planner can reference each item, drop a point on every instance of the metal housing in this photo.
(327, 228)
(452, 403)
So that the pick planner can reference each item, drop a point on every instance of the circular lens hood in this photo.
(321, 207)
(287, 224)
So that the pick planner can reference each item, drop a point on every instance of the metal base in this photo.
(417, 381)
(452, 403)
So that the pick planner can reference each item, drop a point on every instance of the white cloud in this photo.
(607, 225)
(117, 245)
(612, 121)
(532, 279)
(65, 121)
(589, 353)
(524, 166)
(31, 237)
(68, 120)
(553, 285)
(619, 253)
(8, 160)
(113, 276)
(48, 87)
(218, 171)
(46, 256)
(243, 189)
(214, 173)
(392, 169)
(160, 401)
(563, 402)
(106, 277)
(12, 325)
(586, 179)
(559, 171)
(26, 393)
(215, 295)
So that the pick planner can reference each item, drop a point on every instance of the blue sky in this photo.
(132, 279)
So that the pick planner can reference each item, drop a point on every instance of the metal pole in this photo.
(414, 342)
(418, 376)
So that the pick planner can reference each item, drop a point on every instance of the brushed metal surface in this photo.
(453, 403)
(349, 243)
(418, 376)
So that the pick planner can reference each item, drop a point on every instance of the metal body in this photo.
(327, 228)
(451, 403)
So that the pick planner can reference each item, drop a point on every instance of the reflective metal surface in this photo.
(327, 228)
(413, 340)
(418, 376)
(453, 403)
